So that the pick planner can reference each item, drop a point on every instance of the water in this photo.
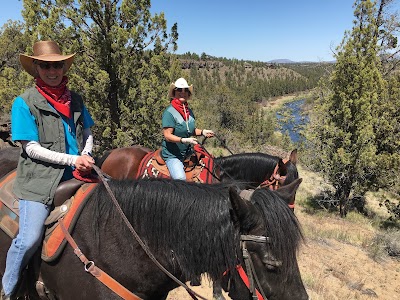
(291, 120)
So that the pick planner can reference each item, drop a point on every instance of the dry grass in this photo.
(346, 258)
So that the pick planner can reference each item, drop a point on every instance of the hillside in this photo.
(258, 80)
(340, 259)
(222, 68)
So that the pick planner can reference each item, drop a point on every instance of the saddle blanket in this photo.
(200, 169)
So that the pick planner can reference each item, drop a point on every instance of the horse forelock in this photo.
(186, 223)
(282, 228)
(292, 173)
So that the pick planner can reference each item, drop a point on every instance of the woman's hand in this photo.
(207, 133)
(84, 163)
(189, 140)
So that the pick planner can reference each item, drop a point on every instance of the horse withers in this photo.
(190, 229)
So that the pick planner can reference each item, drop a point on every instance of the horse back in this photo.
(123, 163)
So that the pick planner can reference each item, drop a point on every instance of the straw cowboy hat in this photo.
(180, 83)
(45, 51)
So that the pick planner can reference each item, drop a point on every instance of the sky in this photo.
(257, 30)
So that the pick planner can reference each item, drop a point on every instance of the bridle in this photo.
(250, 278)
(276, 180)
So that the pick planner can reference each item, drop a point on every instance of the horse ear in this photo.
(240, 207)
(288, 192)
(293, 156)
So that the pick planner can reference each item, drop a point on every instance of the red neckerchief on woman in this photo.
(58, 96)
(181, 107)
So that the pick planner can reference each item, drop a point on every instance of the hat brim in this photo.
(27, 61)
(172, 87)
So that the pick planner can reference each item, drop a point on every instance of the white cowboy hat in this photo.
(45, 51)
(182, 84)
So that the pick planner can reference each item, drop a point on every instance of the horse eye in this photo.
(270, 262)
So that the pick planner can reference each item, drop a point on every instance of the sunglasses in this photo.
(46, 65)
(180, 89)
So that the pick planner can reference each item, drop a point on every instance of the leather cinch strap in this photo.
(90, 267)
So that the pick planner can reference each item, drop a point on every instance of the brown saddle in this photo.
(198, 168)
(68, 201)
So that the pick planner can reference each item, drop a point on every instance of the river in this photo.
(291, 120)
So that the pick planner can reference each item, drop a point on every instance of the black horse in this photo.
(191, 229)
(257, 168)
(8, 159)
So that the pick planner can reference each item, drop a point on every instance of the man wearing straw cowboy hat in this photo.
(53, 126)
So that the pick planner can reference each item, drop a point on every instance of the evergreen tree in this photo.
(346, 128)
(388, 27)
(12, 80)
(122, 66)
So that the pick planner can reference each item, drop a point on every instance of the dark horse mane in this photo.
(9, 159)
(190, 225)
(100, 160)
(252, 167)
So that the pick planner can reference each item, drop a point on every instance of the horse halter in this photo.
(275, 180)
(250, 277)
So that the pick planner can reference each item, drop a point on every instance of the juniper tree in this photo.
(352, 113)
(122, 66)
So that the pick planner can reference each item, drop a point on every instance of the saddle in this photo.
(69, 200)
(198, 167)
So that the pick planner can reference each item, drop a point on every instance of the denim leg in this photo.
(31, 227)
(176, 169)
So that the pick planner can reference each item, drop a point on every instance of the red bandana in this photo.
(58, 96)
(181, 107)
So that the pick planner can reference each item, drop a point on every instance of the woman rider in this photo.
(53, 126)
(179, 127)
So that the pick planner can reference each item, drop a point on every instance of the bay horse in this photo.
(190, 229)
(252, 169)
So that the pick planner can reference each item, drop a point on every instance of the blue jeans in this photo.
(176, 169)
(31, 228)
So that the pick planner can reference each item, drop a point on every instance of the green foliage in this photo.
(122, 62)
(12, 80)
(349, 131)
